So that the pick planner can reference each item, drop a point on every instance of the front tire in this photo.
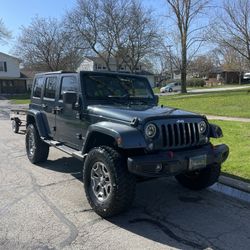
(200, 179)
(36, 149)
(109, 187)
(170, 90)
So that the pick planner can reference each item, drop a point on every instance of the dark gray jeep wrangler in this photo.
(112, 123)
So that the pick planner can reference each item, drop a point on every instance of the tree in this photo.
(45, 45)
(4, 32)
(201, 65)
(231, 30)
(118, 29)
(185, 13)
(142, 36)
(231, 60)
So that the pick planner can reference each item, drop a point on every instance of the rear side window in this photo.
(38, 86)
(69, 83)
(50, 87)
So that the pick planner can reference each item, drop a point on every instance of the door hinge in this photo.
(54, 128)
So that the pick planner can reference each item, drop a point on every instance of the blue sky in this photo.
(16, 13)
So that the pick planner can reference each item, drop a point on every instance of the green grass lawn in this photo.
(20, 99)
(237, 137)
(226, 103)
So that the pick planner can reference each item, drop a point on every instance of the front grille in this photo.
(180, 135)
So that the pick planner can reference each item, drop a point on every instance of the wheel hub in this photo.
(100, 181)
(31, 144)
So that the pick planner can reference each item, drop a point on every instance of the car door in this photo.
(68, 123)
(48, 102)
(179, 86)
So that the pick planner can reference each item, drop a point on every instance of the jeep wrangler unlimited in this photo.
(112, 123)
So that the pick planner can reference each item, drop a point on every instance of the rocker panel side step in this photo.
(66, 149)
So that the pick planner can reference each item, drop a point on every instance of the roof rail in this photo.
(57, 72)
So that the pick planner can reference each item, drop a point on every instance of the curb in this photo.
(233, 188)
(234, 183)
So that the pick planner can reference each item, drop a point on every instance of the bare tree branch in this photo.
(5, 34)
(185, 13)
(45, 45)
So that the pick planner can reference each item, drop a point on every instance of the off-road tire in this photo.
(122, 182)
(200, 179)
(15, 126)
(41, 149)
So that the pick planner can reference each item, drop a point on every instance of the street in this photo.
(44, 207)
(206, 90)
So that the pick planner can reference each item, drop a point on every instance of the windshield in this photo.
(117, 86)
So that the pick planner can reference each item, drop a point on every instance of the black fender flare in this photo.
(126, 137)
(40, 122)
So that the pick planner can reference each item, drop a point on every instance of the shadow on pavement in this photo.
(173, 216)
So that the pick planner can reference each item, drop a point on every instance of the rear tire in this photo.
(15, 126)
(109, 187)
(36, 149)
(200, 179)
(170, 90)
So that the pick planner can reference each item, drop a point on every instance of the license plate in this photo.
(197, 162)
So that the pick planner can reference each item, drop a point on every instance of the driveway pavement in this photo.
(44, 207)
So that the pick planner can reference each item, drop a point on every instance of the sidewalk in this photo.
(227, 118)
(208, 90)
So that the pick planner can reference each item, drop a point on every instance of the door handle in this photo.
(44, 106)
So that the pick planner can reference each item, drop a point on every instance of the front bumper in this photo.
(170, 163)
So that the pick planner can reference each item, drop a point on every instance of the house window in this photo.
(3, 66)
(103, 67)
(99, 66)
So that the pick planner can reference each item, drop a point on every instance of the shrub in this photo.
(196, 82)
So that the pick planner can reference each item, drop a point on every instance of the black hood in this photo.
(127, 113)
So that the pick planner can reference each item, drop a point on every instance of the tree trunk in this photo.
(239, 78)
(184, 69)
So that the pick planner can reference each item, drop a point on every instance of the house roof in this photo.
(15, 58)
(98, 59)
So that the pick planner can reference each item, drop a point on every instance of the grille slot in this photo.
(180, 135)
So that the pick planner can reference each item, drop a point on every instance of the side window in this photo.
(69, 83)
(50, 87)
(38, 85)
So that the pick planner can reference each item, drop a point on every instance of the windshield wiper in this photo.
(118, 99)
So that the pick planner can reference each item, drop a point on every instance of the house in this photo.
(98, 64)
(11, 79)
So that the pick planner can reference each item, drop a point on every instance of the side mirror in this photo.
(69, 97)
(156, 99)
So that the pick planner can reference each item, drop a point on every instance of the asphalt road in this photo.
(44, 207)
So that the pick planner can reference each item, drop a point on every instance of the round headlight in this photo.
(202, 127)
(150, 130)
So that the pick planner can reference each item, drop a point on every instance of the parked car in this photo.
(246, 76)
(174, 86)
(113, 124)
